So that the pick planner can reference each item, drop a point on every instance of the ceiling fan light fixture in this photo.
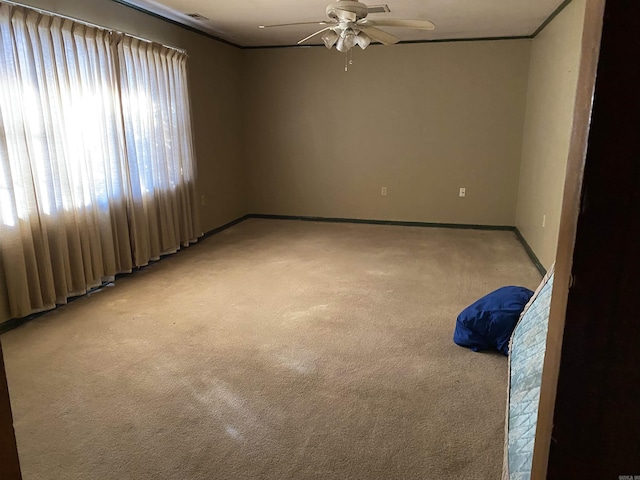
(349, 26)
(363, 40)
(350, 39)
(329, 38)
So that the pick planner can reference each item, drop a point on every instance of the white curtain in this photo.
(97, 172)
(159, 149)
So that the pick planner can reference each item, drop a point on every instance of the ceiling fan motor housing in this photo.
(347, 11)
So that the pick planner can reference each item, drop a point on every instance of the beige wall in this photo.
(553, 77)
(420, 119)
(214, 70)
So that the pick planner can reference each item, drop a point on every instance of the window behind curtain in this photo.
(97, 172)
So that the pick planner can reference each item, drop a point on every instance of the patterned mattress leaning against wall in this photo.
(526, 357)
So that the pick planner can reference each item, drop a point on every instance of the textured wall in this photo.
(553, 79)
(287, 131)
(420, 119)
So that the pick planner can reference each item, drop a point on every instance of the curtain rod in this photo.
(88, 24)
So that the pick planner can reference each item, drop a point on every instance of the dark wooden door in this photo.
(596, 420)
(9, 464)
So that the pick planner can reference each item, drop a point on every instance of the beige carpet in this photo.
(273, 350)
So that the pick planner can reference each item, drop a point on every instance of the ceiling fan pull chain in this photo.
(348, 59)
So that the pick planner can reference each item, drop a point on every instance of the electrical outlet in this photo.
(544, 220)
(383, 191)
(463, 192)
(203, 201)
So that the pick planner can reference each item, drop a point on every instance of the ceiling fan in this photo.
(349, 26)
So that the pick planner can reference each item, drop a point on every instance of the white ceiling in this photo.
(237, 21)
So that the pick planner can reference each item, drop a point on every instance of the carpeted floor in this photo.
(274, 350)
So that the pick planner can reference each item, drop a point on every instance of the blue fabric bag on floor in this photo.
(488, 322)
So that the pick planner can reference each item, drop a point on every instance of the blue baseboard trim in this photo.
(529, 250)
(382, 222)
(525, 245)
(16, 322)
(224, 227)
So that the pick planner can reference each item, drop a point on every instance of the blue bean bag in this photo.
(488, 322)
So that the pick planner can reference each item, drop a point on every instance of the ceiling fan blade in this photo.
(314, 35)
(379, 35)
(320, 22)
(346, 15)
(391, 22)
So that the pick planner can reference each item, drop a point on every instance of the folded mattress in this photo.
(527, 349)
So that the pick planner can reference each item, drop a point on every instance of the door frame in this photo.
(589, 420)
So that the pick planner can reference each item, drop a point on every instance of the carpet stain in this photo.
(275, 350)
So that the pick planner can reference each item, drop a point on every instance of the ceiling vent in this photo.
(197, 16)
(378, 9)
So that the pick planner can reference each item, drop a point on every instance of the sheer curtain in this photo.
(97, 172)
(159, 147)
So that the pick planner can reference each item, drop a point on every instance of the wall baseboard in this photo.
(224, 227)
(381, 222)
(532, 256)
(16, 322)
(529, 250)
